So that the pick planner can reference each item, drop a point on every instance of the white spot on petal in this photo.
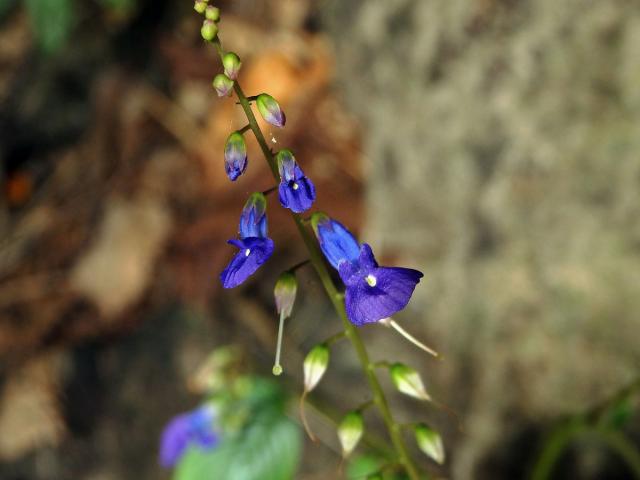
(371, 280)
(247, 252)
(295, 186)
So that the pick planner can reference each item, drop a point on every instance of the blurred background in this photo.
(492, 144)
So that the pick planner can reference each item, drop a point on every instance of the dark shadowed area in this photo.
(492, 144)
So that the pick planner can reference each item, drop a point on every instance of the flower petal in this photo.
(174, 440)
(195, 427)
(253, 220)
(297, 195)
(336, 242)
(379, 293)
(253, 253)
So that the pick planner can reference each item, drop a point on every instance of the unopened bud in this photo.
(231, 63)
(314, 366)
(350, 432)
(209, 30)
(408, 381)
(200, 6)
(212, 13)
(285, 293)
(430, 442)
(223, 85)
(270, 110)
(235, 156)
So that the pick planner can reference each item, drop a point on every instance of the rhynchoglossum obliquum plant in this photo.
(372, 293)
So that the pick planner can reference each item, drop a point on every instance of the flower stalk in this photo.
(334, 295)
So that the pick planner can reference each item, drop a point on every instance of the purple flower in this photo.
(336, 242)
(253, 253)
(255, 247)
(372, 292)
(195, 428)
(296, 191)
(235, 156)
(270, 110)
(253, 220)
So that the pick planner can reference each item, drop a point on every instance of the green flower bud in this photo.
(408, 381)
(223, 85)
(270, 110)
(231, 63)
(200, 6)
(212, 13)
(285, 293)
(315, 364)
(209, 30)
(350, 432)
(430, 442)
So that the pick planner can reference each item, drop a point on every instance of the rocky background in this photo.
(503, 142)
(491, 143)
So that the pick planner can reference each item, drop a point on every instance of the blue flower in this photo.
(336, 242)
(195, 428)
(296, 191)
(235, 156)
(253, 219)
(372, 292)
(255, 247)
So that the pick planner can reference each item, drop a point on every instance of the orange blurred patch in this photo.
(19, 188)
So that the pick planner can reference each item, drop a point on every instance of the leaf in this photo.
(619, 414)
(5, 7)
(269, 449)
(362, 466)
(52, 21)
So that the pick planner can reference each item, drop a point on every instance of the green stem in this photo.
(336, 298)
(553, 448)
(562, 437)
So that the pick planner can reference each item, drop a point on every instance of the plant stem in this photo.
(336, 298)
(563, 436)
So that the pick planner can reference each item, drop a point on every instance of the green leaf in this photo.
(52, 21)
(362, 466)
(619, 414)
(269, 449)
(5, 7)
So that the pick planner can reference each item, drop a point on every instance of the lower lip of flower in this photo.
(371, 280)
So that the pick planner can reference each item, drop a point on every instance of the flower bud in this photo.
(212, 13)
(209, 30)
(253, 220)
(231, 63)
(223, 85)
(200, 6)
(315, 364)
(235, 156)
(285, 293)
(408, 381)
(430, 442)
(270, 110)
(350, 432)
